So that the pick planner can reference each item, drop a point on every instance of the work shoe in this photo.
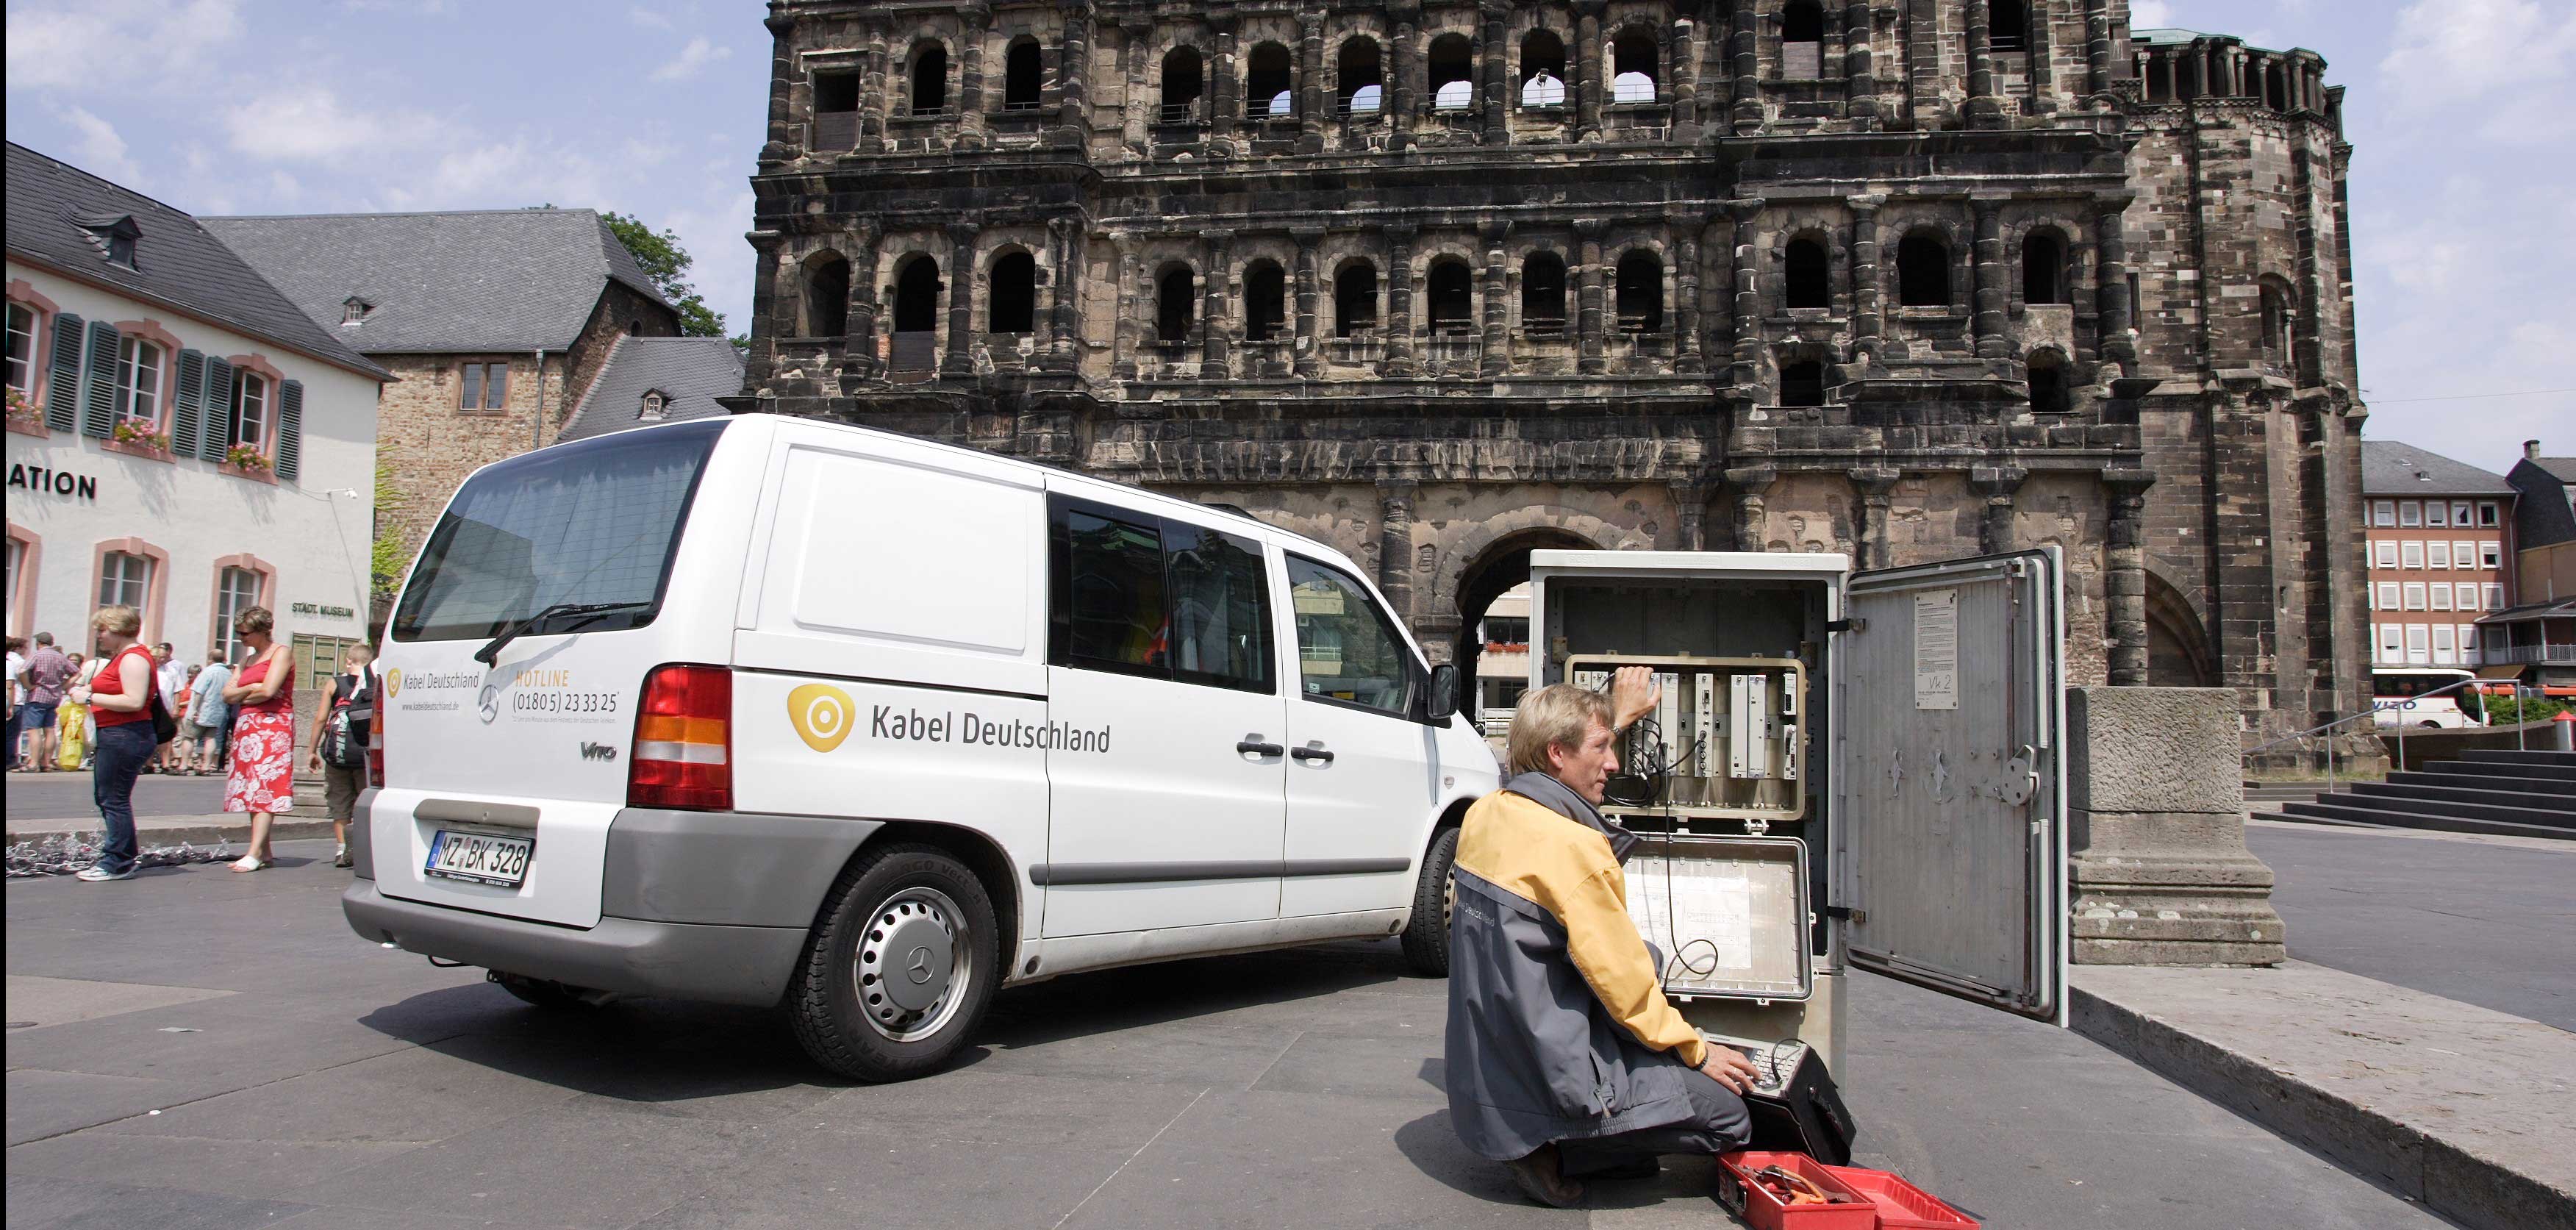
(341, 859)
(1541, 1177)
(96, 874)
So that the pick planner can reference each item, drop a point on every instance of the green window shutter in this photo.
(290, 431)
(62, 374)
(191, 400)
(98, 391)
(215, 433)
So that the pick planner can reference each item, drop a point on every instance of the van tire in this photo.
(1426, 936)
(824, 998)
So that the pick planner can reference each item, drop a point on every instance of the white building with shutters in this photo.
(181, 439)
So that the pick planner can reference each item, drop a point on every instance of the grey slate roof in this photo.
(2389, 467)
(475, 280)
(691, 372)
(177, 261)
(2545, 513)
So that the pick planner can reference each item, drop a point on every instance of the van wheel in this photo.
(900, 968)
(538, 992)
(1426, 938)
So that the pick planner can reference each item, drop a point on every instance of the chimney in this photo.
(2531, 449)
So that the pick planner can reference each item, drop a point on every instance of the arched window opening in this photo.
(1802, 40)
(1453, 298)
(1804, 274)
(1265, 301)
(1453, 71)
(1355, 299)
(1184, 81)
(1011, 306)
(1922, 271)
(1268, 88)
(916, 297)
(2276, 323)
(2043, 268)
(1543, 294)
(1641, 293)
(1360, 87)
(2047, 374)
(2008, 25)
(1542, 69)
(930, 80)
(1175, 301)
(1633, 59)
(1020, 77)
(826, 295)
(1802, 383)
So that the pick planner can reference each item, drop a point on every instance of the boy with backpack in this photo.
(340, 741)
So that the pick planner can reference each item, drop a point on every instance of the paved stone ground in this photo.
(2470, 918)
(307, 1079)
(66, 796)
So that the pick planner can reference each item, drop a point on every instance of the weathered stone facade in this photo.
(430, 446)
(1442, 283)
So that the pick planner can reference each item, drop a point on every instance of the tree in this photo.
(664, 261)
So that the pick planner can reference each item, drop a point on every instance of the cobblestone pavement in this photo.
(304, 1078)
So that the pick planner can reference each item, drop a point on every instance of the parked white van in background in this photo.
(777, 711)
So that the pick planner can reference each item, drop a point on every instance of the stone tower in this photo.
(1442, 283)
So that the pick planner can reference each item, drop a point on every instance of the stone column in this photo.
(1130, 332)
(1859, 67)
(1590, 85)
(2097, 53)
(1309, 359)
(1135, 55)
(1073, 78)
(784, 140)
(2157, 866)
(1064, 293)
(1225, 86)
(1984, 109)
(1686, 268)
(960, 363)
(1496, 356)
(1395, 544)
(1873, 484)
(1750, 484)
(1404, 59)
(1680, 37)
(2124, 579)
(1587, 312)
(1213, 361)
(1310, 82)
(1399, 298)
(859, 332)
(872, 92)
(1748, 297)
(1741, 30)
(976, 20)
(1494, 70)
(1867, 307)
(1988, 321)
(1996, 485)
(2117, 322)
(2043, 60)
(1690, 515)
(764, 307)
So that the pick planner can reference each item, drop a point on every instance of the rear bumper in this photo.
(718, 964)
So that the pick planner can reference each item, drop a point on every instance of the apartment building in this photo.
(2441, 553)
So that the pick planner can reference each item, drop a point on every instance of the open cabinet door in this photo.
(1951, 780)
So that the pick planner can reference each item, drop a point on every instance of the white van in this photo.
(766, 710)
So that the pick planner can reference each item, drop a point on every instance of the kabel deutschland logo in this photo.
(393, 682)
(821, 715)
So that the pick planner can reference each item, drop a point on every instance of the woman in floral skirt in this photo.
(262, 780)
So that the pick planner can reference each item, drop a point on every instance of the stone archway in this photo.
(1494, 556)
(2178, 653)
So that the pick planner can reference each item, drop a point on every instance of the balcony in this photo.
(2531, 655)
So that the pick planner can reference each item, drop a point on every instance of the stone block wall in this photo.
(430, 446)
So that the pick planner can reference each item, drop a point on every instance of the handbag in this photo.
(164, 727)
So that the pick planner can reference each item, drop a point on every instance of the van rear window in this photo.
(581, 525)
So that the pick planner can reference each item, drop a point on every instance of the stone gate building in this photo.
(1441, 283)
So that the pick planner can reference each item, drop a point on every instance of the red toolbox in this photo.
(1902, 1205)
(1763, 1211)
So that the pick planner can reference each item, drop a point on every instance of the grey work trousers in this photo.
(1718, 1124)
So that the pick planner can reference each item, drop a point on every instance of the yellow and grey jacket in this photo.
(1558, 1026)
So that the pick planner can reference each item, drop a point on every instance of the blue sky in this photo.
(2461, 112)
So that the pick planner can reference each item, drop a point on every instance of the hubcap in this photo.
(913, 964)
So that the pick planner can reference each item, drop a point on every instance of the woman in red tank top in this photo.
(262, 780)
(120, 700)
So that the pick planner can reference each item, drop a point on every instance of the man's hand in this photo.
(1728, 1066)
(1633, 693)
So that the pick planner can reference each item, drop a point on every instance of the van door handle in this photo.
(1310, 752)
(1251, 744)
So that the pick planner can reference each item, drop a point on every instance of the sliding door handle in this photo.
(1252, 745)
(1310, 752)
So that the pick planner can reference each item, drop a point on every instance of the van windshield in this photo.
(586, 524)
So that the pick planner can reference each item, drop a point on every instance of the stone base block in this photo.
(2169, 888)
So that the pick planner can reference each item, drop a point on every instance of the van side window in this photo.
(1347, 649)
(1140, 595)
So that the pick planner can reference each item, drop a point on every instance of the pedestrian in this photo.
(49, 671)
(210, 718)
(73, 717)
(1564, 1058)
(262, 780)
(174, 693)
(17, 691)
(119, 697)
(340, 742)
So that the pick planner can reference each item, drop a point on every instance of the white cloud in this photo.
(100, 151)
(2475, 48)
(646, 17)
(88, 46)
(692, 60)
(310, 122)
(2150, 15)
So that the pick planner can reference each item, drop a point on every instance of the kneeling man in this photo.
(1564, 1058)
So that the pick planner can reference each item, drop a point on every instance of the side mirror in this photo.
(1442, 702)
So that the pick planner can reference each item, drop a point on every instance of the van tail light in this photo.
(683, 754)
(376, 737)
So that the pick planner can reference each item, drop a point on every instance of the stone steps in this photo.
(2338, 810)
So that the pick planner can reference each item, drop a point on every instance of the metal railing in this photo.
(2373, 712)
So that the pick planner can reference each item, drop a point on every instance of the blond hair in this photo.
(121, 620)
(1558, 715)
(253, 619)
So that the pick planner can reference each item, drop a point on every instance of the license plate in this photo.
(480, 858)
